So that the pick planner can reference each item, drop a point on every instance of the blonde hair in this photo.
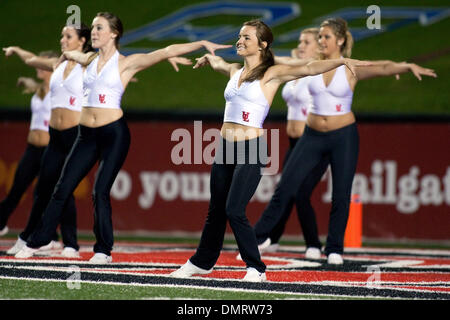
(313, 31)
(341, 31)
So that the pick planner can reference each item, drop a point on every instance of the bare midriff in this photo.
(62, 118)
(329, 123)
(96, 117)
(38, 138)
(237, 132)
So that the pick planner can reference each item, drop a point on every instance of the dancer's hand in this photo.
(202, 61)
(216, 63)
(29, 84)
(174, 61)
(9, 51)
(419, 71)
(212, 47)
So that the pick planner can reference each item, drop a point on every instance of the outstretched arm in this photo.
(138, 62)
(30, 58)
(80, 57)
(388, 68)
(292, 61)
(285, 73)
(29, 84)
(21, 53)
(217, 64)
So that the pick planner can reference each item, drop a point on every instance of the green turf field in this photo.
(36, 26)
(64, 290)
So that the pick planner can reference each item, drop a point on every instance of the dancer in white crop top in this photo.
(104, 136)
(37, 140)
(331, 114)
(248, 96)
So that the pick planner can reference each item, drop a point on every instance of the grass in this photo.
(59, 290)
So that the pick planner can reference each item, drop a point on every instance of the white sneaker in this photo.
(273, 247)
(4, 231)
(26, 252)
(69, 252)
(189, 269)
(17, 246)
(312, 253)
(100, 258)
(53, 245)
(263, 247)
(335, 258)
(254, 275)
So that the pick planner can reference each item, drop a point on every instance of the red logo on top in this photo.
(72, 100)
(338, 107)
(101, 98)
(245, 116)
(304, 111)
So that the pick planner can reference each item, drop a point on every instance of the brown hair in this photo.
(264, 34)
(85, 32)
(340, 30)
(115, 25)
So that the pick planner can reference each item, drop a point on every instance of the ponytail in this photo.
(85, 32)
(346, 48)
(268, 60)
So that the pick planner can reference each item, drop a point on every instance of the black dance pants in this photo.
(108, 145)
(235, 175)
(341, 146)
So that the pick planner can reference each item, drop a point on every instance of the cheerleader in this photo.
(330, 133)
(37, 140)
(235, 173)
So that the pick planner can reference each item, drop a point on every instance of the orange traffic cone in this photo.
(353, 232)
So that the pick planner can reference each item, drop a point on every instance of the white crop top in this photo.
(246, 104)
(40, 112)
(67, 93)
(104, 89)
(298, 100)
(336, 99)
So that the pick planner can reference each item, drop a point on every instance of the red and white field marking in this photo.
(367, 272)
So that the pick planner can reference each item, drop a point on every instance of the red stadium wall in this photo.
(403, 178)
